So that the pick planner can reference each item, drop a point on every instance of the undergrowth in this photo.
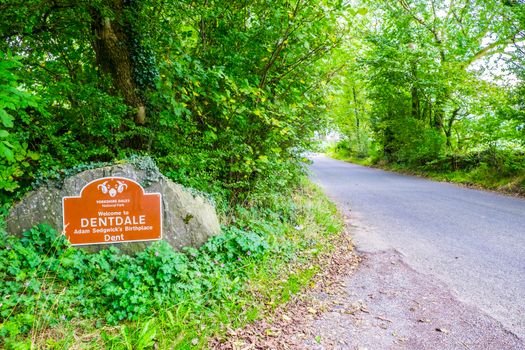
(59, 297)
(501, 171)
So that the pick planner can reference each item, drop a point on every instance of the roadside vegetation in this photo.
(477, 174)
(225, 97)
(58, 297)
(436, 88)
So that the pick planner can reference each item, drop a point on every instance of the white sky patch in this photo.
(496, 68)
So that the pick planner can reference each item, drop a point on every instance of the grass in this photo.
(344, 155)
(255, 289)
(479, 177)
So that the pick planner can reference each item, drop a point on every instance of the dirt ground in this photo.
(372, 301)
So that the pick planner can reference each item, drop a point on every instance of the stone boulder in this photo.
(188, 218)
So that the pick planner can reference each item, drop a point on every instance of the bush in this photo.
(16, 159)
(413, 144)
(503, 162)
(44, 280)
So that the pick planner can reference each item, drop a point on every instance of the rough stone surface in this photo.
(189, 219)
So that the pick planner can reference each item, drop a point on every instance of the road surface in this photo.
(466, 243)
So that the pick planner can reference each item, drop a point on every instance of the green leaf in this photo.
(8, 153)
(7, 119)
(362, 11)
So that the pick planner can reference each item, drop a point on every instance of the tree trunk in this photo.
(111, 44)
(415, 103)
(450, 123)
(388, 141)
(416, 106)
(357, 119)
(438, 117)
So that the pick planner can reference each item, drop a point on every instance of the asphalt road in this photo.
(473, 242)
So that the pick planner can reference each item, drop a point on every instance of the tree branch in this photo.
(279, 47)
(432, 30)
(495, 47)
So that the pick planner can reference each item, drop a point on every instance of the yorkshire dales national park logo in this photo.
(112, 188)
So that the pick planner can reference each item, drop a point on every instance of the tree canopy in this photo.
(225, 95)
(435, 83)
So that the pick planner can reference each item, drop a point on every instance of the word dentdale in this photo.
(113, 221)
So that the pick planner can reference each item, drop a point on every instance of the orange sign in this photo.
(112, 210)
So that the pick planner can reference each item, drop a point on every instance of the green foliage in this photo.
(234, 93)
(233, 90)
(502, 163)
(55, 177)
(426, 85)
(414, 144)
(42, 275)
(345, 150)
(46, 284)
(15, 105)
(120, 286)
